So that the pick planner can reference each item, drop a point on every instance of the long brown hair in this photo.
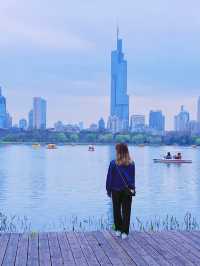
(122, 154)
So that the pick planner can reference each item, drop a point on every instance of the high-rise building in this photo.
(193, 127)
(58, 126)
(39, 113)
(23, 124)
(137, 123)
(101, 124)
(198, 110)
(181, 120)
(114, 124)
(30, 120)
(119, 98)
(3, 113)
(8, 121)
(156, 121)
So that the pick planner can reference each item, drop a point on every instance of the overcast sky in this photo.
(60, 50)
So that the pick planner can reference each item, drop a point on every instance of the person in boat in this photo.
(120, 186)
(178, 156)
(168, 156)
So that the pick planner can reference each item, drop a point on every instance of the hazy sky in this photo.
(60, 50)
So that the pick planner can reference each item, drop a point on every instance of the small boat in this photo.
(171, 161)
(35, 145)
(51, 146)
(91, 148)
(141, 145)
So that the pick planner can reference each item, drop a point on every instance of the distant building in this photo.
(137, 123)
(114, 124)
(81, 125)
(58, 126)
(30, 120)
(181, 120)
(101, 124)
(71, 128)
(193, 127)
(5, 118)
(156, 121)
(8, 121)
(39, 113)
(3, 113)
(198, 110)
(93, 127)
(23, 124)
(119, 98)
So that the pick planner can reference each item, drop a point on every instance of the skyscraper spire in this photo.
(117, 32)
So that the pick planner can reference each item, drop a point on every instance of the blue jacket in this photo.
(114, 180)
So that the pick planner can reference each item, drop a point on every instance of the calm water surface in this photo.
(50, 186)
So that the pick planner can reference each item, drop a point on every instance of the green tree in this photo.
(105, 138)
(60, 137)
(122, 138)
(74, 137)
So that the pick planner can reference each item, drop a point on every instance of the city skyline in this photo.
(66, 60)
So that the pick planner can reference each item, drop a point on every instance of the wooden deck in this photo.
(100, 248)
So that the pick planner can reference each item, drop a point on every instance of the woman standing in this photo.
(120, 185)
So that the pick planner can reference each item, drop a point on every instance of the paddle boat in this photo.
(176, 161)
(36, 145)
(51, 146)
(91, 148)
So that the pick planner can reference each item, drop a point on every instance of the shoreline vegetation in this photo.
(87, 137)
(15, 224)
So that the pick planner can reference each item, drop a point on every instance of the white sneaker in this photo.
(124, 236)
(117, 233)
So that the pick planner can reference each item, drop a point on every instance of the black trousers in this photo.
(121, 210)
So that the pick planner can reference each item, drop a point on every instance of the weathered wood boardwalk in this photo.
(100, 248)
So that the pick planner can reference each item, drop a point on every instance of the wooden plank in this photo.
(107, 248)
(56, 256)
(190, 248)
(127, 260)
(4, 239)
(76, 249)
(146, 241)
(98, 251)
(86, 249)
(66, 252)
(147, 251)
(44, 251)
(177, 259)
(131, 251)
(22, 251)
(185, 239)
(11, 250)
(33, 250)
(181, 248)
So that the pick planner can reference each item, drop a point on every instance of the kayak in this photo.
(171, 161)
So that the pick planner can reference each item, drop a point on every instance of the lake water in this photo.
(53, 187)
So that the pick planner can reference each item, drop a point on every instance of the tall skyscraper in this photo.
(30, 120)
(119, 98)
(2, 110)
(5, 118)
(39, 113)
(156, 121)
(181, 120)
(198, 110)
